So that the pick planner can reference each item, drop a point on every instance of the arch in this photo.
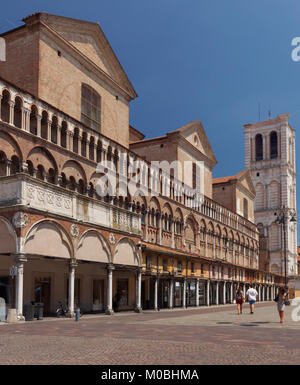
(5, 108)
(190, 230)
(63, 134)
(273, 145)
(41, 156)
(75, 140)
(49, 238)
(92, 148)
(33, 120)
(72, 168)
(9, 146)
(258, 147)
(126, 253)
(167, 210)
(154, 204)
(8, 237)
(18, 112)
(93, 246)
(275, 268)
(54, 129)
(44, 125)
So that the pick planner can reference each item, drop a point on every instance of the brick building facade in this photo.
(64, 129)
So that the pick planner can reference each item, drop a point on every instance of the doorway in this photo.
(42, 292)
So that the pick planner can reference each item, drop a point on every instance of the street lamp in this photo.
(283, 216)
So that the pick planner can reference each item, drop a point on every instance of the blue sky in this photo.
(211, 60)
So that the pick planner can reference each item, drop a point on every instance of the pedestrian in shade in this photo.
(239, 299)
(281, 298)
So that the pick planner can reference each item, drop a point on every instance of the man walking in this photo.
(252, 296)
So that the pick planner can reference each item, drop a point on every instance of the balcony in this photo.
(24, 191)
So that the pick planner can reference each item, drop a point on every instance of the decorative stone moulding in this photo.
(112, 238)
(74, 231)
(20, 220)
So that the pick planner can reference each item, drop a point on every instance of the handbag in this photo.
(276, 298)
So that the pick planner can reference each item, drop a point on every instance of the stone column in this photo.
(20, 285)
(263, 293)
(138, 307)
(268, 294)
(11, 112)
(172, 233)
(8, 166)
(197, 292)
(184, 294)
(231, 292)
(49, 130)
(171, 291)
(109, 308)
(156, 293)
(207, 292)
(71, 287)
(259, 292)
(38, 126)
(217, 293)
(159, 229)
(224, 293)
(146, 216)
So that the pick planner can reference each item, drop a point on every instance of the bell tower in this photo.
(270, 157)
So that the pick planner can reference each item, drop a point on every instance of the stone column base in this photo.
(70, 314)
(109, 312)
(138, 310)
(12, 316)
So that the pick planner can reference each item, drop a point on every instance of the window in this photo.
(165, 264)
(122, 290)
(192, 267)
(179, 266)
(259, 147)
(90, 107)
(148, 262)
(273, 145)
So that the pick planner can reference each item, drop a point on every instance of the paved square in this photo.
(215, 335)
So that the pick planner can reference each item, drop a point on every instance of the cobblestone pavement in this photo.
(215, 335)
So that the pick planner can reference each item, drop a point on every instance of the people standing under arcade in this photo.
(252, 296)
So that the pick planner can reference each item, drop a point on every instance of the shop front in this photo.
(191, 292)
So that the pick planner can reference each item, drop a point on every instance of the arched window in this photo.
(245, 204)
(75, 140)
(83, 144)
(18, 112)
(90, 107)
(5, 109)
(44, 125)
(63, 134)
(54, 126)
(15, 165)
(273, 145)
(258, 147)
(33, 120)
(91, 148)
(3, 161)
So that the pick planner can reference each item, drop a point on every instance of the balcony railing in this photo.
(23, 190)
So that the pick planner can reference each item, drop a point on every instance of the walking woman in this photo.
(281, 296)
(239, 299)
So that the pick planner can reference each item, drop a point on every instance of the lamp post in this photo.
(283, 216)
